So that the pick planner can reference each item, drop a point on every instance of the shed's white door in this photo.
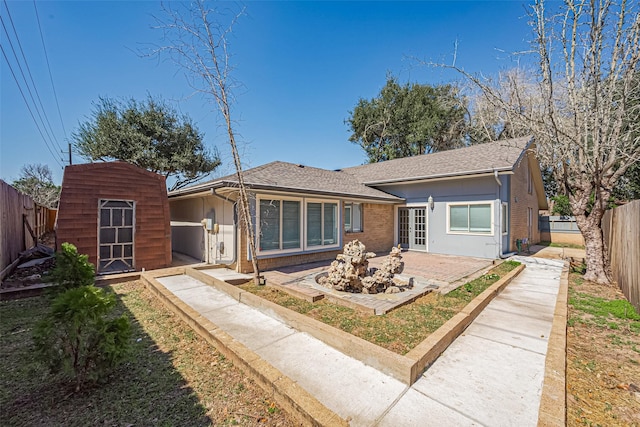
(115, 236)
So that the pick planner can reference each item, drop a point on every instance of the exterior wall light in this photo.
(430, 201)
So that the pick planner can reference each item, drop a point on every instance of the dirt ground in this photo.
(603, 359)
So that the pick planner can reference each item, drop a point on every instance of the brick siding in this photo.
(518, 209)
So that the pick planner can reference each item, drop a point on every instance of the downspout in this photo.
(495, 176)
(502, 255)
(235, 227)
(207, 257)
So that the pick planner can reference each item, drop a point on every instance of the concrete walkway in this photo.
(491, 375)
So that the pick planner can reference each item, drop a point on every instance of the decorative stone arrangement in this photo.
(350, 272)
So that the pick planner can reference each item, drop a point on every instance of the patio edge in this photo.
(553, 401)
(424, 354)
(290, 396)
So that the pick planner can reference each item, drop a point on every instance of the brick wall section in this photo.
(378, 228)
(84, 185)
(377, 237)
(518, 210)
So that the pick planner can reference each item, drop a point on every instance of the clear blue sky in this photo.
(303, 66)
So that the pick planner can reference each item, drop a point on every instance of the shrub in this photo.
(79, 338)
(72, 269)
(561, 205)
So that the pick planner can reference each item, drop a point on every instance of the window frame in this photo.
(491, 231)
(350, 206)
(322, 203)
(301, 214)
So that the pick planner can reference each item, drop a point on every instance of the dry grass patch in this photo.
(603, 357)
(399, 330)
(173, 378)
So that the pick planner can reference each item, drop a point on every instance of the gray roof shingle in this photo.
(481, 158)
(357, 181)
(283, 176)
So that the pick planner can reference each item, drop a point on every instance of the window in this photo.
(529, 182)
(279, 225)
(352, 217)
(469, 218)
(505, 218)
(322, 224)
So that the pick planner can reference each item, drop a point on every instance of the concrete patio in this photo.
(445, 271)
(491, 375)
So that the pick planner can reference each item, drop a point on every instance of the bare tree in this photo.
(36, 181)
(582, 105)
(196, 40)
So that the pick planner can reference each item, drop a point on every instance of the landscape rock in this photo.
(350, 272)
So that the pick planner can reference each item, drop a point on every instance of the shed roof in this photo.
(472, 160)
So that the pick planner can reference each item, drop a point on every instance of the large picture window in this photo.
(469, 218)
(322, 223)
(279, 225)
(352, 217)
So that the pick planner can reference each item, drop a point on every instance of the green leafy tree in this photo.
(628, 187)
(80, 338)
(561, 205)
(36, 181)
(408, 120)
(148, 134)
(72, 269)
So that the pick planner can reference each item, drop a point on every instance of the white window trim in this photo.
(361, 217)
(506, 214)
(467, 233)
(338, 224)
(281, 199)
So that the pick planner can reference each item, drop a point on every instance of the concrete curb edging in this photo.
(425, 353)
(553, 402)
(407, 368)
(286, 393)
(370, 354)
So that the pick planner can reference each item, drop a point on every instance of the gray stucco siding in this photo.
(471, 190)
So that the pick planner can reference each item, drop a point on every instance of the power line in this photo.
(35, 89)
(28, 106)
(55, 95)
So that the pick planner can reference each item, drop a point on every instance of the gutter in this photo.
(470, 174)
(495, 175)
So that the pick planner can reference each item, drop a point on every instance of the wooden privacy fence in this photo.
(621, 227)
(23, 222)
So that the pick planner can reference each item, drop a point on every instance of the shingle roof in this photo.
(284, 176)
(481, 158)
(357, 181)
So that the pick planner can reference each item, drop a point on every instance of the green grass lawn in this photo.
(399, 330)
(173, 377)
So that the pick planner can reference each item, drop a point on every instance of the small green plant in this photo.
(72, 269)
(561, 205)
(80, 337)
(579, 268)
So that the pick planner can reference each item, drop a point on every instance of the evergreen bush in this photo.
(80, 336)
(72, 269)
